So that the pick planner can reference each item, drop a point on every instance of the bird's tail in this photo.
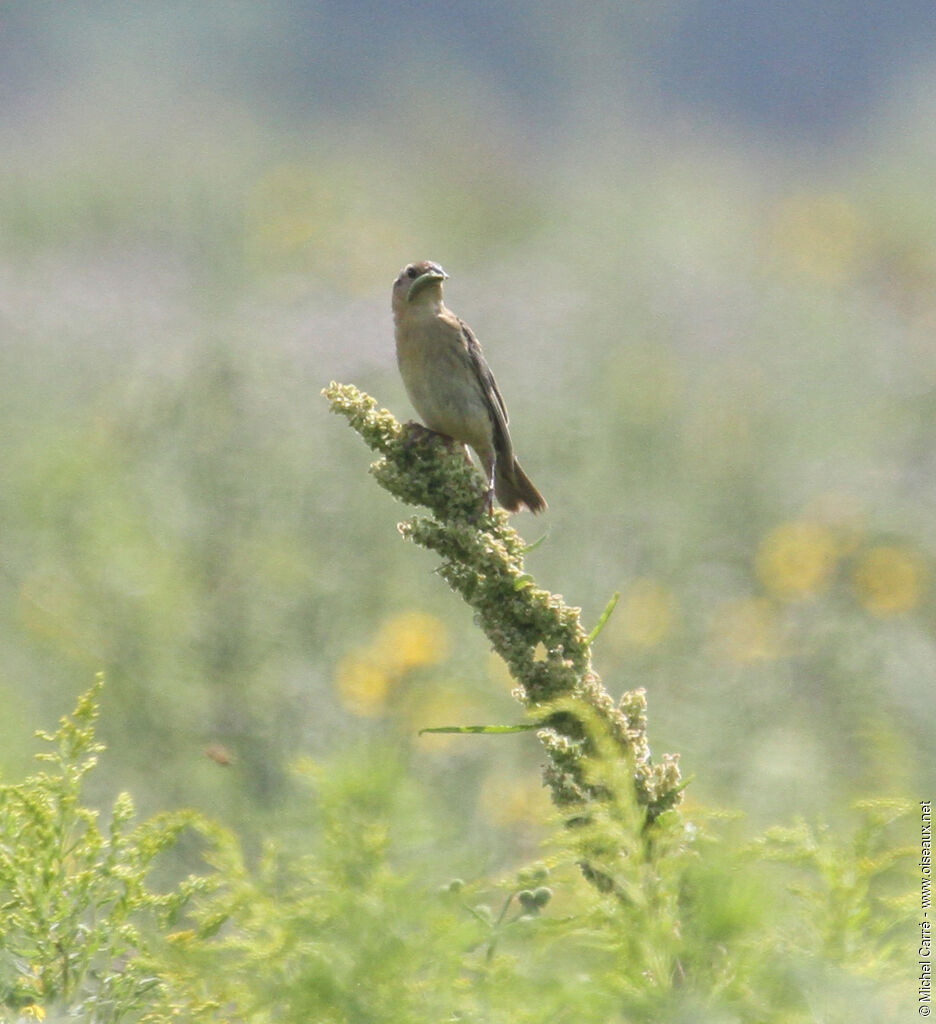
(514, 488)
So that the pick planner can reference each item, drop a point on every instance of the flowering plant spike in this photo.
(538, 635)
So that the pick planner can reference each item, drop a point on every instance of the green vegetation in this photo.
(718, 357)
(539, 637)
(681, 919)
(346, 928)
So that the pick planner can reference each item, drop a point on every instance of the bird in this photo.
(451, 385)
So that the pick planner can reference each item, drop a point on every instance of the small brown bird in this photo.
(452, 387)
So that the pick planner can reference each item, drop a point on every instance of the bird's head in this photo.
(417, 281)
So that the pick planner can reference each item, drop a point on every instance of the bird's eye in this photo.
(410, 272)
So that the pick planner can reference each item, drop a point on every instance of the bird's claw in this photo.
(417, 432)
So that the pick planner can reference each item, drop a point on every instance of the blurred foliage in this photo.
(346, 922)
(77, 918)
(732, 414)
(718, 353)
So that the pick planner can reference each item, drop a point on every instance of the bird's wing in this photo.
(492, 395)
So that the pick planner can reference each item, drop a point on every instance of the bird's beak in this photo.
(435, 274)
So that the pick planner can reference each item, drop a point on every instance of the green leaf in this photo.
(491, 730)
(532, 547)
(605, 615)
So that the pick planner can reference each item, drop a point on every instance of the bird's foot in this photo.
(417, 432)
(485, 508)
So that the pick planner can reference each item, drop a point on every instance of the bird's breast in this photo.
(441, 382)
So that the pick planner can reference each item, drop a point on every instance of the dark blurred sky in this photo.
(803, 67)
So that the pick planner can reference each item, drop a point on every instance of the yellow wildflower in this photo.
(366, 678)
(889, 580)
(797, 558)
(411, 640)
(363, 685)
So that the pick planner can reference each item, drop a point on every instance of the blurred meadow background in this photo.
(698, 243)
